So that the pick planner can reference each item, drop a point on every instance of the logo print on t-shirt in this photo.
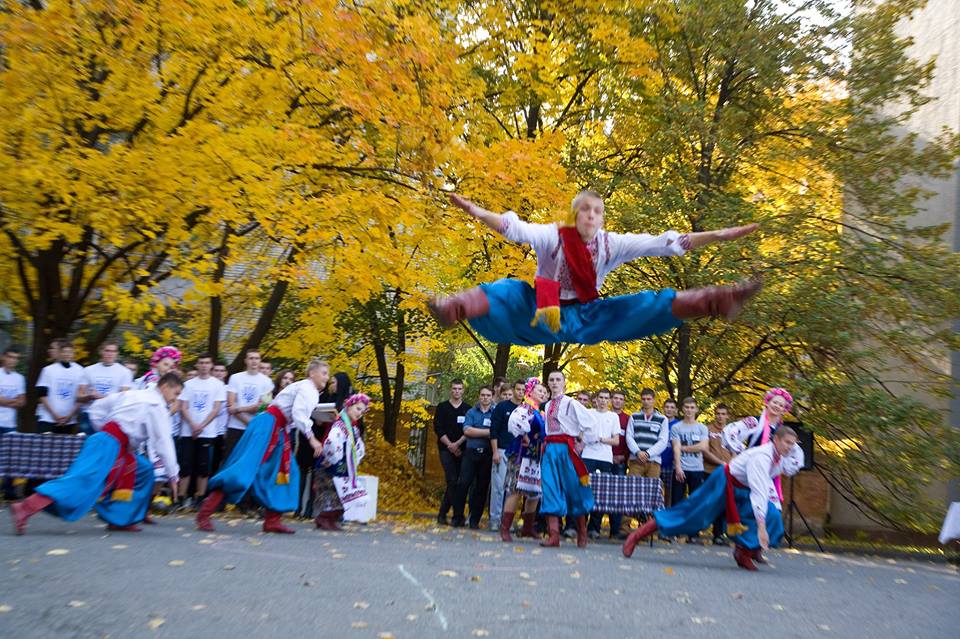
(249, 394)
(201, 402)
(104, 385)
(65, 390)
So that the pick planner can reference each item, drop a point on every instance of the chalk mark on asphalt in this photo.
(426, 593)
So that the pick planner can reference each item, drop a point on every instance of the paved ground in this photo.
(410, 580)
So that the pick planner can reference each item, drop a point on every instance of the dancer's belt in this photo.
(279, 425)
(123, 474)
(574, 457)
(734, 526)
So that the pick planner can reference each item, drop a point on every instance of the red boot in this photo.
(462, 306)
(506, 520)
(328, 520)
(743, 557)
(715, 301)
(553, 532)
(272, 523)
(529, 520)
(23, 510)
(207, 508)
(582, 531)
(130, 528)
(647, 529)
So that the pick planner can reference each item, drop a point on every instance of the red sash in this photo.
(734, 526)
(279, 424)
(578, 464)
(580, 263)
(123, 474)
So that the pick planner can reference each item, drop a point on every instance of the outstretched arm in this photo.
(491, 219)
(696, 240)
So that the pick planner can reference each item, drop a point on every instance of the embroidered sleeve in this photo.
(792, 462)
(519, 422)
(735, 434)
(629, 246)
(541, 237)
(333, 444)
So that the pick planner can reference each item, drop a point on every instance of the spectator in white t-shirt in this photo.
(57, 389)
(106, 377)
(247, 391)
(690, 439)
(266, 368)
(220, 372)
(200, 404)
(101, 379)
(598, 456)
(13, 389)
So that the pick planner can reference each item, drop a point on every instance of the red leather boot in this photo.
(272, 523)
(462, 306)
(130, 528)
(743, 557)
(582, 531)
(529, 521)
(506, 520)
(21, 511)
(715, 301)
(207, 508)
(553, 532)
(647, 529)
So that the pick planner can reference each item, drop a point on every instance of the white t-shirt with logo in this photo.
(606, 425)
(107, 379)
(248, 389)
(12, 385)
(200, 395)
(61, 383)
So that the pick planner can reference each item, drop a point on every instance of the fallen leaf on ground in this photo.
(77, 604)
(526, 604)
(703, 620)
(119, 546)
(198, 606)
(56, 552)
(668, 570)
(362, 605)
(446, 573)
(823, 627)
(480, 632)
(821, 580)
(156, 623)
(524, 575)
(229, 567)
(575, 574)
(737, 595)
(518, 549)
(206, 541)
(386, 635)
(778, 607)
(359, 624)
(900, 581)
(411, 617)
(176, 562)
(337, 555)
(475, 578)
(5, 608)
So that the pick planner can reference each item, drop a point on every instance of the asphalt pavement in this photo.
(409, 579)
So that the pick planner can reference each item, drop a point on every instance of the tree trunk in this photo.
(502, 360)
(216, 302)
(389, 418)
(684, 383)
(267, 314)
(551, 359)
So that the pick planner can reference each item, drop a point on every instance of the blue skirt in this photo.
(612, 319)
(244, 471)
(563, 494)
(79, 489)
(698, 512)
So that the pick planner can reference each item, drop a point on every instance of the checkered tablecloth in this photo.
(625, 495)
(42, 456)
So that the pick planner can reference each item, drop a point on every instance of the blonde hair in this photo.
(578, 200)
(316, 363)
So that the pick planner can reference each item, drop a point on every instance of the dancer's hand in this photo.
(762, 534)
(463, 203)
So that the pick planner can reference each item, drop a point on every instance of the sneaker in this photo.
(593, 534)
(695, 540)
(186, 504)
(442, 520)
(570, 533)
(666, 540)
(474, 526)
(457, 522)
(721, 541)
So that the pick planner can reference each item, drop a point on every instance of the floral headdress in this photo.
(356, 398)
(779, 392)
(163, 352)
